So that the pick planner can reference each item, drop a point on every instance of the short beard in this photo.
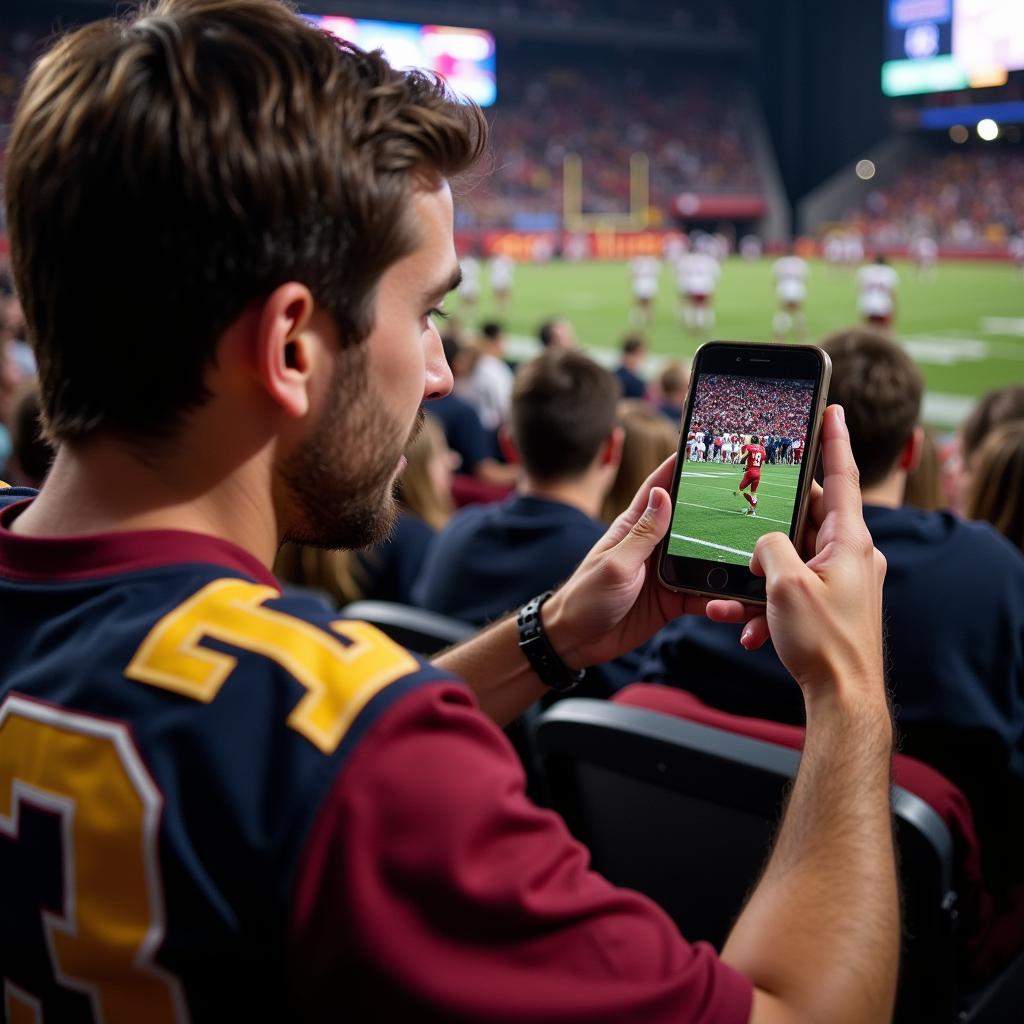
(339, 481)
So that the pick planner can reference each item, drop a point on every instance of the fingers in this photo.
(645, 534)
(842, 478)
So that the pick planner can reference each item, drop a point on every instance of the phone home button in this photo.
(718, 578)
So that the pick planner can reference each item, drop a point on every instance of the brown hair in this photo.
(28, 446)
(675, 378)
(924, 481)
(563, 410)
(996, 489)
(880, 389)
(650, 438)
(1001, 405)
(168, 168)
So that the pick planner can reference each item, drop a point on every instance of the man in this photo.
(628, 372)
(752, 458)
(672, 387)
(557, 333)
(488, 384)
(489, 559)
(956, 675)
(644, 273)
(229, 232)
(503, 269)
(696, 279)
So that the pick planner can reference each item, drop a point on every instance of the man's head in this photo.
(492, 334)
(563, 414)
(673, 382)
(170, 173)
(634, 351)
(880, 390)
(557, 334)
(217, 150)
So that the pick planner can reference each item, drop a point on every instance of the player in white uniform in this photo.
(877, 283)
(469, 286)
(645, 271)
(1015, 247)
(697, 277)
(790, 292)
(691, 444)
(924, 251)
(502, 269)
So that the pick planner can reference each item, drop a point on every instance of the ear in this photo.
(910, 453)
(286, 349)
(508, 447)
(611, 451)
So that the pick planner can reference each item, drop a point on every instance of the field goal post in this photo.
(575, 221)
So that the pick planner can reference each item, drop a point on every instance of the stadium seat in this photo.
(685, 813)
(421, 631)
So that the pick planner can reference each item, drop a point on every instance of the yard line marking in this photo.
(729, 512)
(707, 543)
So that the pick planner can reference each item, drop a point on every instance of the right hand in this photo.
(825, 616)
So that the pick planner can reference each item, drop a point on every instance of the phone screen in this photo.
(745, 443)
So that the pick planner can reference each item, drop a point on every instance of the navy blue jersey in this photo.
(170, 726)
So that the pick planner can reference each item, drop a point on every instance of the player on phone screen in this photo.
(752, 456)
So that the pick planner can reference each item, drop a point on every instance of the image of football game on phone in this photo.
(744, 444)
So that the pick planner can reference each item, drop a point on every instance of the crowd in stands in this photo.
(967, 198)
(752, 407)
(693, 129)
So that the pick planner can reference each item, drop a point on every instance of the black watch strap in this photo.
(534, 643)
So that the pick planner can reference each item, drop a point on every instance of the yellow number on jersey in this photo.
(87, 771)
(340, 675)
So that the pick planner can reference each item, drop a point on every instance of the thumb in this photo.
(774, 555)
(647, 531)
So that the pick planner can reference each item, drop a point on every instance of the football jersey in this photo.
(167, 737)
(754, 455)
(219, 803)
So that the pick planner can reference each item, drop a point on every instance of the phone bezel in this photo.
(746, 359)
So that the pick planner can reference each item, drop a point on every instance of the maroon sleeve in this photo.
(431, 888)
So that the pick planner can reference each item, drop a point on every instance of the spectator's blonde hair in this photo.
(649, 439)
(996, 490)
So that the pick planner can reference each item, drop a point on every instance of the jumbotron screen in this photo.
(464, 56)
(942, 45)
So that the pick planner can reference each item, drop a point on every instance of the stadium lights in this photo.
(865, 170)
(958, 133)
(987, 129)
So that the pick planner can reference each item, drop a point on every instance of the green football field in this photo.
(964, 327)
(710, 518)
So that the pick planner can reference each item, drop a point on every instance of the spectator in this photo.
(634, 354)
(487, 385)
(464, 433)
(276, 813)
(556, 334)
(924, 481)
(996, 490)
(955, 678)
(994, 408)
(673, 384)
(564, 433)
(648, 440)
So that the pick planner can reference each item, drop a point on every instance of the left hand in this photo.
(614, 602)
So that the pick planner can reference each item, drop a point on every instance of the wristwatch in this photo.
(534, 643)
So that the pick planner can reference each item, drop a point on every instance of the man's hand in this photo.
(613, 603)
(824, 616)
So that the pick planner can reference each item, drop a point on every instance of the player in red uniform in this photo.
(753, 456)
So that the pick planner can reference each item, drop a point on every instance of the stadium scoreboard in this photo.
(464, 57)
(943, 45)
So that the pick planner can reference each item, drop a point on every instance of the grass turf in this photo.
(949, 321)
(709, 519)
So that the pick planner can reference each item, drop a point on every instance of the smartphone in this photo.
(747, 453)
